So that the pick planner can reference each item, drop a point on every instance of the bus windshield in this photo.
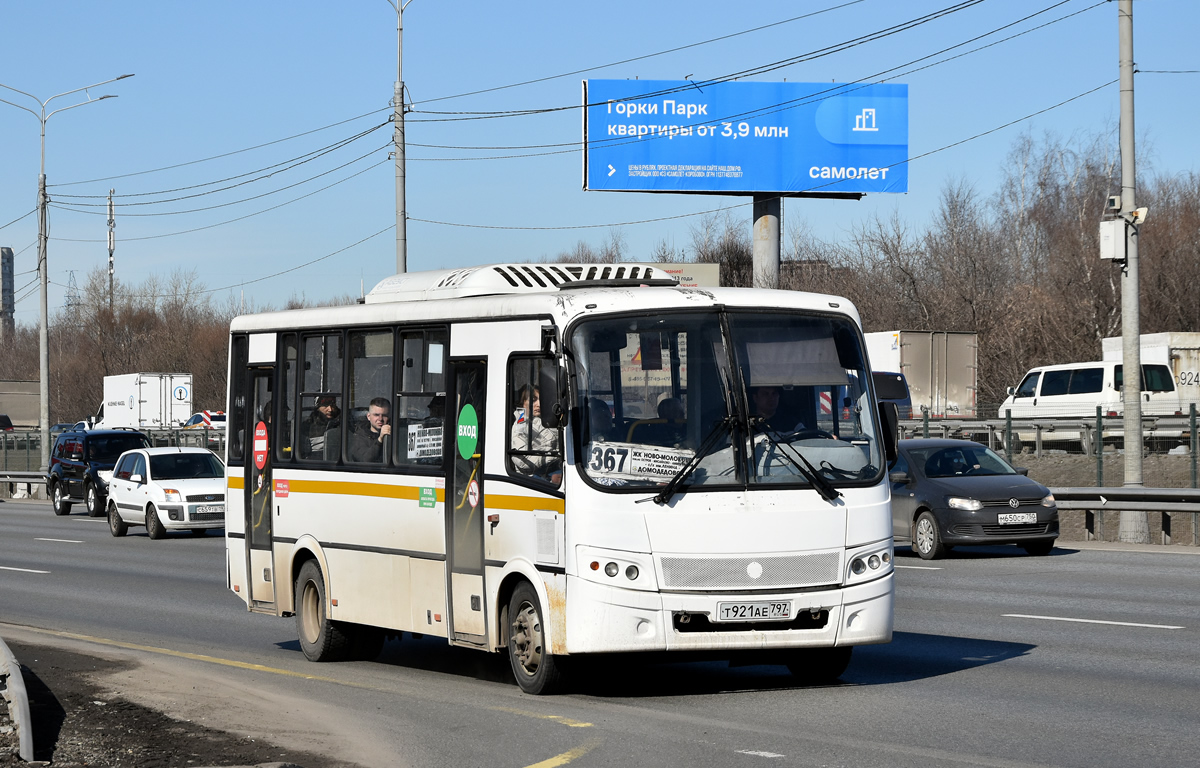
(736, 398)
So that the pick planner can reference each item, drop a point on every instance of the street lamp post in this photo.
(43, 234)
(398, 120)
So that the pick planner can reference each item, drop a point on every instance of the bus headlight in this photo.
(870, 562)
(627, 570)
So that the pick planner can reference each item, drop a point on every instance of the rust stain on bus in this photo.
(557, 612)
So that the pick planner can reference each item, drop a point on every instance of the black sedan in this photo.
(951, 492)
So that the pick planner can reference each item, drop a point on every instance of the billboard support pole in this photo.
(768, 217)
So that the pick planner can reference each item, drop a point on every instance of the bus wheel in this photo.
(820, 666)
(320, 638)
(536, 670)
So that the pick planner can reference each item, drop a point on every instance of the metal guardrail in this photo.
(1168, 502)
(22, 477)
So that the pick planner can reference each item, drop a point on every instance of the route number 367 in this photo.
(608, 459)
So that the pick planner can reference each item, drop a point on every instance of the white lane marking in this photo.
(22, 570)
(64, 541)
(1090, 621)
(756, 753)
(92, 520)
(920, 567)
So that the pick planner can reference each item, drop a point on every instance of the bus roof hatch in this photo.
(513, 278)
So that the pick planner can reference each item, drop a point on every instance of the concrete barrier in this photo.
(18, 701)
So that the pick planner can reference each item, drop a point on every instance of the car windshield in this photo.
(180, 466)
(720, 399)
(958, 461)
(106, 448)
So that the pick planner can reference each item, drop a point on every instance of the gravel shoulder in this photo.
(79, 721)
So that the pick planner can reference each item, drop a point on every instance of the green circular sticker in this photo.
(468, 431)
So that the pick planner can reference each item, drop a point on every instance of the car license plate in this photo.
(1016, 518)
(210, 509)
(775, 610)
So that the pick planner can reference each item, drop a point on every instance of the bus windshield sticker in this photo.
(424, 442)
(635, 462)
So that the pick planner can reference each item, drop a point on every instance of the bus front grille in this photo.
(758, 573)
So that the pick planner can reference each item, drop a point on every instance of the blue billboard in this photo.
(735, 137)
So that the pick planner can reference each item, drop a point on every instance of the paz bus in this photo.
(563, 460)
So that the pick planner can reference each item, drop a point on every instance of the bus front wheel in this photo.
(321, 639)
(536, 669)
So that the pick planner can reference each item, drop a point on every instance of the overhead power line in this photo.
(758, 70)
(73, 206)
(228, 221)
(836, 90)
(639, 58)
(226, 154)
(274, 170)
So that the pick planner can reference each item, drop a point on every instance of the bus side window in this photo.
(534, 440)
(421, 401)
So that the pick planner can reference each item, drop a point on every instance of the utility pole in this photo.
(398, 120)
(1133, 528)
(112, 244)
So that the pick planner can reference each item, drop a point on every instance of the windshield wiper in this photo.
(803, 465)
(669, 490)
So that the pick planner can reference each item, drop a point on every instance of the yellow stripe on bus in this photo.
(346, 488)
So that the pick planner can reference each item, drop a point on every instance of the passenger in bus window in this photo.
(671, 408)
(536, 444)
(325, 416)
(366, 443)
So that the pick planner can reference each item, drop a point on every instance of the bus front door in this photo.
(259, 495)
(465, 505)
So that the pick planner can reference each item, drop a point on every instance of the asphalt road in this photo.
(1088, 657)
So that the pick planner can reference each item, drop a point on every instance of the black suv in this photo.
(81, 463)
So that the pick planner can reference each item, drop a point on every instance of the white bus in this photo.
(560, 460)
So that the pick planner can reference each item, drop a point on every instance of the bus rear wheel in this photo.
(321, 639)
(820, 666)
(536, 669)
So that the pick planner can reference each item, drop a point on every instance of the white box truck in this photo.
(942, 368)
(1177, 350)
(145, 400)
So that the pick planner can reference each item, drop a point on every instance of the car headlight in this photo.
(172, 495)
(1048, 501)
(869, 562)
(958, 502)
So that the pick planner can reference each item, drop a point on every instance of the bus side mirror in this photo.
(889, 427)
(1011, 391)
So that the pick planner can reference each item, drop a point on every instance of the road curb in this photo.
(18, 701)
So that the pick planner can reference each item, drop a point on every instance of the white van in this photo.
(1075, 389)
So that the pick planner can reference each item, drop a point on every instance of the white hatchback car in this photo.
(167, 489)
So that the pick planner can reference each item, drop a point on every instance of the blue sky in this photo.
(216, 78)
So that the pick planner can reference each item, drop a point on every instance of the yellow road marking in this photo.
(564, 720)
(568, 756)
(192, 656)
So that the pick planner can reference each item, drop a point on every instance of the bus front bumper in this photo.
(603, 619)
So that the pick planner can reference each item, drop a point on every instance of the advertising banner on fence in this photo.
(735, 137)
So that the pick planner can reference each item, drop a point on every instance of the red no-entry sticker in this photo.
(260, 445)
